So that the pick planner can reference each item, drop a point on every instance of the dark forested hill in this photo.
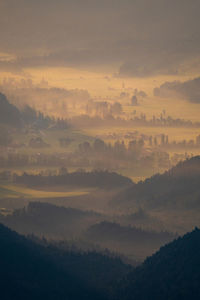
(101, 179)
(178, 187)
(173, 273)
(32, 271)
(9, 114)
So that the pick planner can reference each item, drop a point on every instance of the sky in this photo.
(100, 45)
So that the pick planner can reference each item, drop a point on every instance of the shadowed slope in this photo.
(172, 273)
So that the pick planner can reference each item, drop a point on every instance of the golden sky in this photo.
(105, 47)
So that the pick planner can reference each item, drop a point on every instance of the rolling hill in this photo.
(177, 188)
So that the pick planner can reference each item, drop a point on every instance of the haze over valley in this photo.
(99, 150)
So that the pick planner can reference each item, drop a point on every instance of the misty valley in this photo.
(99, 205)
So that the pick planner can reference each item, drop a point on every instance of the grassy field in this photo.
(15, 191)
(5, 192)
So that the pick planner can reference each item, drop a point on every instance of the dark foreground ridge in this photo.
(173, 273)
(32, 271)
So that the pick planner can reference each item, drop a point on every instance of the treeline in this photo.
(100, 179)
(10, 159)
(103, 108)
(120, 155)
(38, 120)
(86, 120)
(166, 144)
(97, 155)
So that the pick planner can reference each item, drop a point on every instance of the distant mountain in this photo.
(132, 241)
(32, 271)
(9, 114)
(178, 187)
(173, 273)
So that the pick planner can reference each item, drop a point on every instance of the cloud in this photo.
(150, 65)
(188, 90)
(140, 37)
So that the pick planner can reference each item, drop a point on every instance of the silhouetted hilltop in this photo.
(178, 187)
(172, 273)
(9, 114)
